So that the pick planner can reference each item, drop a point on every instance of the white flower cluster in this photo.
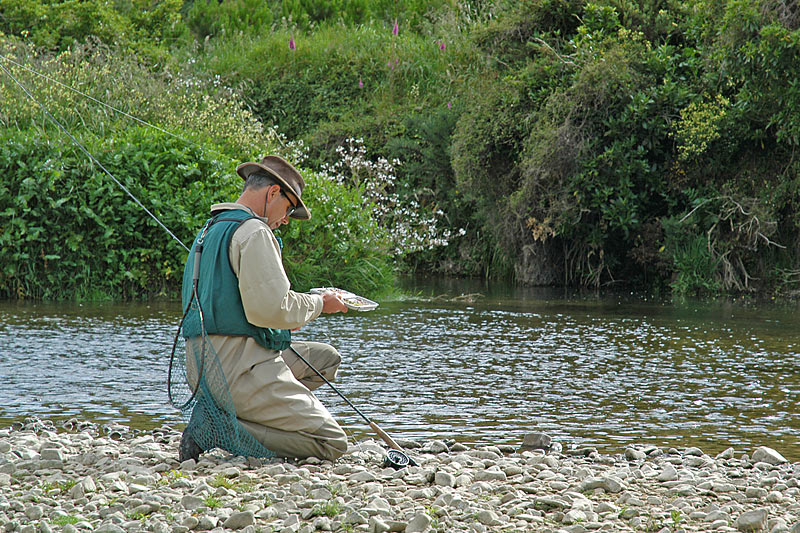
(413, 227)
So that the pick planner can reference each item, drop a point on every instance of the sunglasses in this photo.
(292, 206)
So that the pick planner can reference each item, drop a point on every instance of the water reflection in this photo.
(599, 371)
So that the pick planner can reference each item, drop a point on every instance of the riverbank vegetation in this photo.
(651, 144)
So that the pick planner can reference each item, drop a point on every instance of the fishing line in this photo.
(90, 156)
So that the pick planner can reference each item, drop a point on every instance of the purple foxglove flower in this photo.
(442, 46)
(449, 105)
(396, 28)
(291, 43)
(360, 83)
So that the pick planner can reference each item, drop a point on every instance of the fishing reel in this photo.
(397, 460)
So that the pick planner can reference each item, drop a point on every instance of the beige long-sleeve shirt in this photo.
(267, 297)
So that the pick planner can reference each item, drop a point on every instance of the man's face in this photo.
(279, 205)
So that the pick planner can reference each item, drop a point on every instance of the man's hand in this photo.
(332, 303)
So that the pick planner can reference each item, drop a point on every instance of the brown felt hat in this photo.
(285, 174)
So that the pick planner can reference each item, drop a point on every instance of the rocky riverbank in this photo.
(82, 477)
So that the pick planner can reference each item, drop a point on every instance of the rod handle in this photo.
(385, 436)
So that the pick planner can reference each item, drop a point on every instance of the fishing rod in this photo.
(395, 456)
(88, 154)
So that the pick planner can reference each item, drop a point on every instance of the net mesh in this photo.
(197, 386)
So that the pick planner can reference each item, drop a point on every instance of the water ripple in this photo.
(593, 372)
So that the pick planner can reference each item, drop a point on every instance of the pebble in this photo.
(78, 479)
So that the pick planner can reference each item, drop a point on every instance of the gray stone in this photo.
(320, 494)
(418, 524)
(668, 474)
(488, 518)
(538, 263)
(754, 520)
(774, 497)
(191, 502)
(355, 517)
(109, 527)
(762, 454)
(239, 520)
(376, 525)
(363, 477)
(607, 483)
(490, 475)
(77, 492)
(434, 446)
(34, 512)
(88, 484)
(52, 454)
(713, 516)
(574, 516)
(207, 523)
(546, 503)
(634, 455)
(444, 479)
(726, 454)
(537, 441)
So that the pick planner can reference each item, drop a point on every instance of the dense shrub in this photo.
(214, 18)
(70, 231)
(608, 132)
(111, 84)
(142, 26)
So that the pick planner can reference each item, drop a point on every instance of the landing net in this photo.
(198, 388)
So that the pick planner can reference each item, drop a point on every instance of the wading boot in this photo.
(188, 448)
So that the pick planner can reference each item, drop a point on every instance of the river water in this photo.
(591, 370)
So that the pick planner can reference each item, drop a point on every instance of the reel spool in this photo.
(396, 459)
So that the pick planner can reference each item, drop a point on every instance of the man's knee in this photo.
(327, 353)
(334, 448)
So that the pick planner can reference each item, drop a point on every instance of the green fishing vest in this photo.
(218, 287)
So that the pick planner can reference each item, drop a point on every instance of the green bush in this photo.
(176, 175)
(142, 26)
(339, 71)
(191, 108)
(70, 232)
(214, 18)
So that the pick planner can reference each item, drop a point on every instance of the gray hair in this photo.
(259, 180)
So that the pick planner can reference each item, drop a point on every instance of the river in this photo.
(601, 371)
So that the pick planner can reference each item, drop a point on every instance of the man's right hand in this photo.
(332, 303)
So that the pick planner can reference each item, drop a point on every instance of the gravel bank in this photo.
(82, 477)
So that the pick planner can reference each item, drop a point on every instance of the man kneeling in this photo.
(249, 311)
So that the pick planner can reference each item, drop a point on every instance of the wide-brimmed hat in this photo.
(285, 174)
